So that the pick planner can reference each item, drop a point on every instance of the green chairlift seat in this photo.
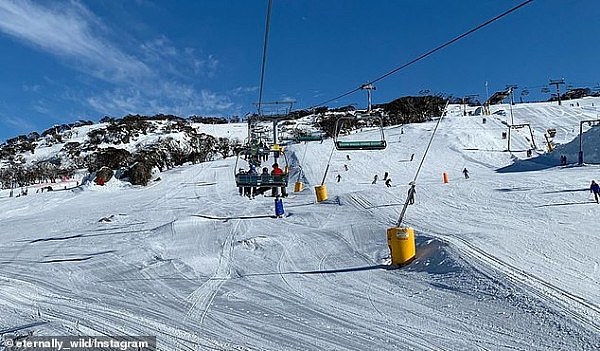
(360, 145)
(250, 180)
(310, 137)
(367, 145)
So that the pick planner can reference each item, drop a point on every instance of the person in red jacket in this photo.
(276, 170)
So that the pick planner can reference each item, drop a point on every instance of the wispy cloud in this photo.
(67, 30)
(171, 97)
(21, 125)
(154, 76)
(179, 62)
(243, 90)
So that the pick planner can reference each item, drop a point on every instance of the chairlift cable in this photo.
(328, 163)
(414, 181)
(428, 53)
(264, 57)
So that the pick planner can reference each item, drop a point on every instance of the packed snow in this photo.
(506, 260)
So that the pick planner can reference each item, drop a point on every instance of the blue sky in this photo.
(67, 60)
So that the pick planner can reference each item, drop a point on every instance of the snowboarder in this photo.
(346, 168)
(339, 177)
(388, 182)
(595, 189)
(385, 176)
(374, 179)
(411, 193)
(348, 157)
(466, 173)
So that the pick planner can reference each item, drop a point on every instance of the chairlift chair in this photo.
(260, 180)
(310, 137)
(367, 145)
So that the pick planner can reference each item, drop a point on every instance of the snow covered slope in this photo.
(506, 260)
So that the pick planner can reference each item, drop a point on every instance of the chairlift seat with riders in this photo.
(253, 157)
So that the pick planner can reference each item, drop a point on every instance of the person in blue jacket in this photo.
(595, 189)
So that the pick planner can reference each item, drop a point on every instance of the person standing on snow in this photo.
(374, 179)
(339, 177)
(466, 173)
(595, 189)
(411, 193)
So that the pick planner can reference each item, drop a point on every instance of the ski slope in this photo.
(506, 260)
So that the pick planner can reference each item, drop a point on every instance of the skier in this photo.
(466, 173)
(388, 182)
(374, 179)
(276, 170)
(339, 177)
(385, 176)
(252, 170)
(412, 157)
(240, 189)
(348, 157)
(346, 167)
(411, 193)
(595, 189)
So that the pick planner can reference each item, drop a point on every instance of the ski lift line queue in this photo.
(428, 53)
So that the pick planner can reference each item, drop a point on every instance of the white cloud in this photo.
(172, 97)
(157, 77)
(179, 62)
(31, 88)
(243, 90)
(20, 124)
(68, 30)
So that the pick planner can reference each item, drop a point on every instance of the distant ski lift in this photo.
(318, 136)
(367, 145)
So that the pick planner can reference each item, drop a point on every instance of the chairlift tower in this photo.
(278, 115)
(557, 82)
(465, 99)
(511, 89)
(368, 87)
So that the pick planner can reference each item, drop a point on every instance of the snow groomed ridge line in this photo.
(518, 275)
